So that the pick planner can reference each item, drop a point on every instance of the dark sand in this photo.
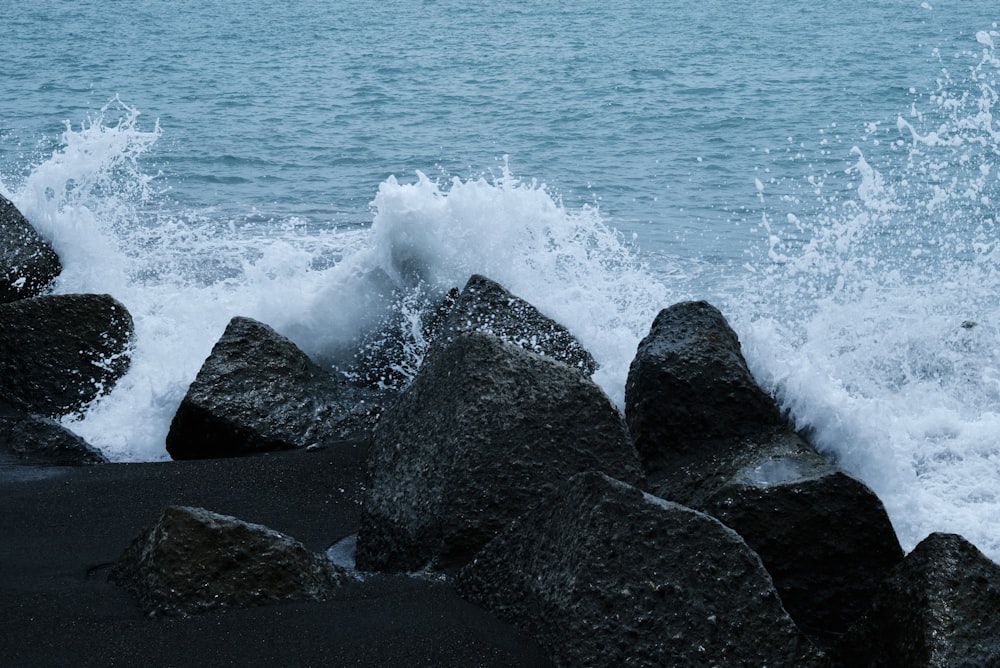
(62, 527)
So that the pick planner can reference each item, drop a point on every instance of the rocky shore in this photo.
(481, 503)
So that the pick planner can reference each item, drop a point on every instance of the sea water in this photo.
(825, 173)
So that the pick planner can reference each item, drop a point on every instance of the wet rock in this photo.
(937, 608)
(32, 439)
(689, 382)
(486, 306)
(484, 430)
(28, 265)
(602, 574)
(711, 438)
(823, 535)
(60, 352)
(258, 391)
(193, 560)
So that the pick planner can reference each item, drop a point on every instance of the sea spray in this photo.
(879, 329)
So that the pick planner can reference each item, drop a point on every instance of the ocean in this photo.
(827, 174)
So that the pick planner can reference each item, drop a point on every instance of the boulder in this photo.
(193, 560)
(709, 437)
(60, 352)
(32, 439)
(257, 391)
(938, 608)
(484, 430)
(486, 306)
(602, 574)
(28, 265)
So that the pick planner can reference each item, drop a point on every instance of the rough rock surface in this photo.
(689, 382)
(31, 439)
(710, 438)
(193, 560)
(484, 430)
(602, 574)
(256, 392)
(486, 306)
(940, 607)
(28, 265)
(823, 535)
(59, 352)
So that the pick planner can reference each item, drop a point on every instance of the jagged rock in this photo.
(258, 391)
(823, 535)
(602, 574)
(484, 430)
(193, 560)
(486, 306)
(60, 352)
(689, 382)
(32, 439)
(28, 265)
(710, 438)
(938, 608)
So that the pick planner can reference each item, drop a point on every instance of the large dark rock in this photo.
(602, 574)
(28, 265)
(258, 391)
(823, 535)
(193, 560)
(486, 306)
(31, 439)
(689, 382)
(710, 438)
(60, 352)
(484, 430)
(940, 608)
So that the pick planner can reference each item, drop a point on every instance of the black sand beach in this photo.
(62, 527)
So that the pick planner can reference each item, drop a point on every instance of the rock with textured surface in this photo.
(60, 352)
(484, 430)
(32, 439)
(940, 608)
(602, 574)
(28, 265)
(486, 306)
(712, 439)
(193, 560)
(257, 391)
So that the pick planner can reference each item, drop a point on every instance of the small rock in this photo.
(193, 560)
(28, 264)
(37, 440)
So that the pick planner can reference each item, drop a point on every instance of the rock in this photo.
(710, 438)
(689, 382)
(258, 391)
(937, 608)
(28, 265)
(32, 439)
(60, 352)
(484, 430)
(602, 574)
(823, 535)
(486, 306)
(193, 560)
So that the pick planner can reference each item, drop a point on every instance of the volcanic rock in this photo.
(258, 391)
(193, 560)
(486, 306)
(28, 265)
(60, 352)
(483, 431)
(711, 438)
(938, 608)
(32, 439)
(602, 574)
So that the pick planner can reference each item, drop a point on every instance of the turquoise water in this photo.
(824, 172)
